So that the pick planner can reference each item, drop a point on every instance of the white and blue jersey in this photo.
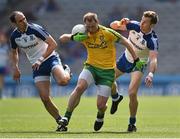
(142, 44)
(32, 42)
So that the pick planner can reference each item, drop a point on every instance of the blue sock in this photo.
(132, 120)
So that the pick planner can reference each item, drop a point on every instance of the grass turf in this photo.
(158, 117)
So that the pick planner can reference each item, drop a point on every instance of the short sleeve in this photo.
(40, 32)
(12, 41)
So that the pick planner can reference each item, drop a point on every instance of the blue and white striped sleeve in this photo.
(133, 25)
(12, 42)
(153, 44)
(40, 32)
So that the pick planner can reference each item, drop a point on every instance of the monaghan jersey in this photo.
(101, 48)
(32, 42)
(142, 43)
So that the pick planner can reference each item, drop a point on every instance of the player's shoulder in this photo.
(133, 23)
(35, 26)
(15, 33)
(154, 35)
(108, 30)
(152, 40)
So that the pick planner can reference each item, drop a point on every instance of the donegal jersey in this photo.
(32, 42)
(101, 48)
(142, 43)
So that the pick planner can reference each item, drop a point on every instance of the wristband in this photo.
(38, 62)
(150, 74)
(41, 59)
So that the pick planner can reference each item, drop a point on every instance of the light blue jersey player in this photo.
(39, 47)
(145, 45)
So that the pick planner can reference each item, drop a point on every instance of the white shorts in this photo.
(102, 90)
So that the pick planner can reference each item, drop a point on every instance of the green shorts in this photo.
(101, 76)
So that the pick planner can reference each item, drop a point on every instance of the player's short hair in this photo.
(90, 17)
(152, 15)
(13, 15)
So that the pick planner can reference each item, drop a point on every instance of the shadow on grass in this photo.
(54, 132)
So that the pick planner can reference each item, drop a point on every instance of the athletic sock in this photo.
(100, 115)
(132, 120)
(68, 115)
(115, 96)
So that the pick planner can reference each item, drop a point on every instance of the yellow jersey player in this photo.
(99, 66)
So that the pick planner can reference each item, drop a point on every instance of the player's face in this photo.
(92, 27)
(21, 22)
(145, 24)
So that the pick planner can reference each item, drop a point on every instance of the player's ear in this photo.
(152, 25)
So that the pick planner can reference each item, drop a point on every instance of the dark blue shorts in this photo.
(125, 66)
(46, 67)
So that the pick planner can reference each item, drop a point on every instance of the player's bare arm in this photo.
(152, 67)
(15, 61)
(120, 25)
(78, 37)
(129, 46)
(65, 38)
(52, 45)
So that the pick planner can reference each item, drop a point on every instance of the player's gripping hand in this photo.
(139, 64)
(78, 37)
(118, 24)
(37, 64)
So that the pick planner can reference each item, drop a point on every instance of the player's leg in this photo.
(123, 66)
(104, 81)
(61, 74)
(43, 87)
(85, 79)
(42, 82)
(136, 77)
(116, 96)
(102, 98)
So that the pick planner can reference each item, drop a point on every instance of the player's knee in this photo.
(101, 106)
(62, 81)
(79, 88)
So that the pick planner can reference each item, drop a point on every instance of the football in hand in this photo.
(79, 28)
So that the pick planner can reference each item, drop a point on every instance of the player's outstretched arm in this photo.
(129, 46)
(78, 37)
(65, 38)
(120, 25)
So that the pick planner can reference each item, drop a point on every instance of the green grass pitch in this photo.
(26, 117)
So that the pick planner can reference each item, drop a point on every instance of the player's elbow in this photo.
(65, 38)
